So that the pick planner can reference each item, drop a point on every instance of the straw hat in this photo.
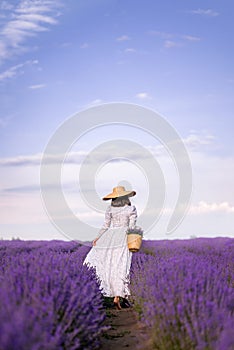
(119, 191)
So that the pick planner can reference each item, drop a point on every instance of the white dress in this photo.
(110, 256)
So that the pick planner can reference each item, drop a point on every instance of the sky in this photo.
(59, 57)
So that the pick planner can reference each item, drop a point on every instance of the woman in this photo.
(110, 255)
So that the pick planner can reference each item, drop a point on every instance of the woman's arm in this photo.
(133, 217)
(106, 224)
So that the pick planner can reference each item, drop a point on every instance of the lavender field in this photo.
(182, 291)
(49, 300)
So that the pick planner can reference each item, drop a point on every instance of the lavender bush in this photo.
(49, 300)
(183, 291)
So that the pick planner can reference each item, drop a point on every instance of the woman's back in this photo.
(122, 216)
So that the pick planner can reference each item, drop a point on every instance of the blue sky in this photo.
(57, 58)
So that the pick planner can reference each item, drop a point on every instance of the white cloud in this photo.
(168, 44)
(33, 18)
(35, 159)
(204, 208)
(130, 50)
(169, 41)
(16, 70)
(37, 86)
(95, 102)
(207, 13)
(195, 140)
(27, 18)
(143, 95)
(163, 35)
(123, 38)
(191, 38)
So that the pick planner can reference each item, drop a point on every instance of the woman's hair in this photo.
(120, 201)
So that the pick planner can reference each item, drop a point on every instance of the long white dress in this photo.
(110, 256)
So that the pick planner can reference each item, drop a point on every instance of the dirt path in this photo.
(126, 331)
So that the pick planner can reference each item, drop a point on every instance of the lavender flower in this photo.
(135, 230)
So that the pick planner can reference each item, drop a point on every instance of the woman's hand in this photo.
(95, 241)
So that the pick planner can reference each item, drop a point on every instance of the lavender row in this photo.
(184, 293)
(49, 300)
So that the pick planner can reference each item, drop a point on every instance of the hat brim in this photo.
(122, 194)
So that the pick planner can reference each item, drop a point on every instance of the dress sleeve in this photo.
(107, 222)
(133, 217)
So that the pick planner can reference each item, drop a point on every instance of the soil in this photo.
(126, 331)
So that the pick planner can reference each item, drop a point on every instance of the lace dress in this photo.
(111, 257)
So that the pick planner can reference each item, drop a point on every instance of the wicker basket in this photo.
(134, 242)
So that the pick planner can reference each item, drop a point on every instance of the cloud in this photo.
(163, 35)
(195, 140)
(123, 38)
(95, 102)
(36, 87)
(21, 160)
(168, 44)
(207, 13)
(130, 50)
(191, 38)
(22, 189)
(204, 208)
(27, 19)
(16, 70)
(169, 38)
(35, 159)
(143, 95)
